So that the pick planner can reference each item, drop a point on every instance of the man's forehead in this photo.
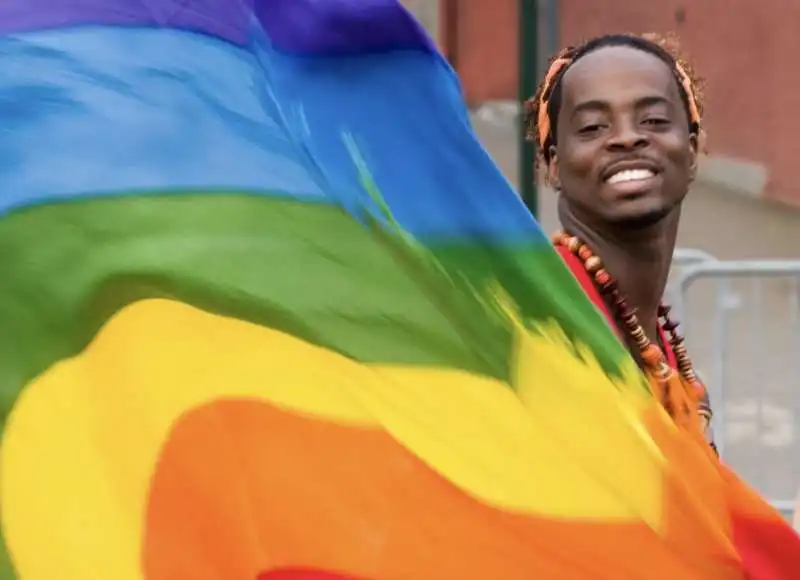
(612, 71)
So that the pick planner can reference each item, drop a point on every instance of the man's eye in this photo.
(656, 121)
(589, 129)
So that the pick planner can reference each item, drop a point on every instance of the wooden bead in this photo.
(664, 369)
(593, 264)
(585, 254)
(610, 287)
(602, 278)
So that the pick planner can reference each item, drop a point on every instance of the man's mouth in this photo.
(629, 175)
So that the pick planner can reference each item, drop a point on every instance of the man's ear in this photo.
(553, 179)
(694, 155)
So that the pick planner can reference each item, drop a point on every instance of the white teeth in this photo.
(630, 175)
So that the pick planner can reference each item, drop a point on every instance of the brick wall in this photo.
(745, 50)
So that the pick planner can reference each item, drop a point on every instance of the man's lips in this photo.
(632, 183)
(630, 175)
(612, 170)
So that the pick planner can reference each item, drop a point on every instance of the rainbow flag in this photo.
(269, 311)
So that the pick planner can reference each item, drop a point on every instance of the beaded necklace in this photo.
(653, 356)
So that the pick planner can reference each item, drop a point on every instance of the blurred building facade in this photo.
(744, 49)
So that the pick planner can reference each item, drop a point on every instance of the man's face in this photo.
(624, 155)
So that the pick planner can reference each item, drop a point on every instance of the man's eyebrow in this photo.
(603, 106)
(592, 105)
(651, 100)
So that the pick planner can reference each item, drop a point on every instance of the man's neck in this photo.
(638, 259)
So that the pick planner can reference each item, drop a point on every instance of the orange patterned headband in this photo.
(560, 64)
(557, 66)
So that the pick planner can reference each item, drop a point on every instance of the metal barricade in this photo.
(743, 331)
(683, 258)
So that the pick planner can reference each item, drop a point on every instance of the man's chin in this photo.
(641, 220)
(640, 213)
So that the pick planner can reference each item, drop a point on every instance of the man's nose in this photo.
(627, 136)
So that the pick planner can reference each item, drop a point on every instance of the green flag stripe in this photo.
(305, 268)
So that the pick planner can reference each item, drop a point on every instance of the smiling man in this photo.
(617, 122)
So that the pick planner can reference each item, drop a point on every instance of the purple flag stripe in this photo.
(320, 27)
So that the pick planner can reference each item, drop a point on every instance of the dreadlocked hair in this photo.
(541, 110)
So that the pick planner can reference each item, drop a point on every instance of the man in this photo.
(618, 125)
(617, 121)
